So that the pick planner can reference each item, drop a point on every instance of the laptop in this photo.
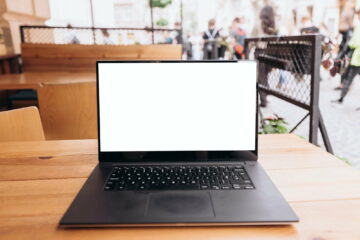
(178, 146)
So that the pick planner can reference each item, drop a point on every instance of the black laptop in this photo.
(177, 147)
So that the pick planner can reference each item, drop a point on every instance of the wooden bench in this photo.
(75, 57)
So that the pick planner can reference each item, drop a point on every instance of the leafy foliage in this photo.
(344, 159)
(271, 125)
(160, 3)
(162, 22)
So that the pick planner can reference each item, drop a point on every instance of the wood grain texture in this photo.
(21, 125)
(37, 186)
(24, 150)
(51, 57)
(34, 80)
(275, 152)
(68, 110)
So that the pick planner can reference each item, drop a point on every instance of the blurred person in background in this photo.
(167, 38)
(238, 35)
(267, 28)
(354, 69)
(267, 25)
(307, 26)
(210, 37)
(187, 48)
(177, 38)
(196, 42)
(223, 43)
(346, 28)
(346, 25)
(106, 37)
(70, 36)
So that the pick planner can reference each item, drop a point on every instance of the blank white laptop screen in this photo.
(177, 106)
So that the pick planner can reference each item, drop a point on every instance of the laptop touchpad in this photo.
(180, 204)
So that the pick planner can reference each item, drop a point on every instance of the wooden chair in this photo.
(22, 124)
(68, 110)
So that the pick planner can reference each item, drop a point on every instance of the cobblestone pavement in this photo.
(342, 122)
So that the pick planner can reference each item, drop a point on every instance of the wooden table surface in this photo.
(33, 80)
(38, 181)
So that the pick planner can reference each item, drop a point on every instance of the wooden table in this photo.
(33, 80)
(38, 181)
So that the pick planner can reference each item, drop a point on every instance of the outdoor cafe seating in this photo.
(49, 135)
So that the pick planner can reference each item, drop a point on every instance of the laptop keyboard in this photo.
(148, 178)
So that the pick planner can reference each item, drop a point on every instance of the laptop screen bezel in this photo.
(173, 156)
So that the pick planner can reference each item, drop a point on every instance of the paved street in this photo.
(342, 122)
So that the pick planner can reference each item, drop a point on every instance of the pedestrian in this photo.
(187, 48)
(70, 36)
(238, 35)
(267, 17)
(196, 46)
(177, 37)
(346, 25)
(210, 37)
(106, 37)
(346, 31)
(167, 38)
(267, 28)
(307, 26)
(354, 69)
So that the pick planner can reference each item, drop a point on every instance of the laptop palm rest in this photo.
(174, 204)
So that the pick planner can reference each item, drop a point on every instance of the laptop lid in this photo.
(165, 111)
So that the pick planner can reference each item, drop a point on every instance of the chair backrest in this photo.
(22, 124)
(76, 57)
(68, 110)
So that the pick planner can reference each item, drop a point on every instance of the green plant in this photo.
(274, 124)
(344, 159)
(160, 3)
(162, 22)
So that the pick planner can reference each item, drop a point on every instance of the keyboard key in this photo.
(152, 178)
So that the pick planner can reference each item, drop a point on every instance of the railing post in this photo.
(22, 34)
(92, 22)
(303, 63)
(314, 97)
(152, 22)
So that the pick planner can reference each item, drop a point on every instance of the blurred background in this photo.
(193, 16)
(211, 29)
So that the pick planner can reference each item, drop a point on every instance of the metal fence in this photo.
(99, 36)
(289, 68)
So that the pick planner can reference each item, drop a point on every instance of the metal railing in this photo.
(98, 36)
(289, 68)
